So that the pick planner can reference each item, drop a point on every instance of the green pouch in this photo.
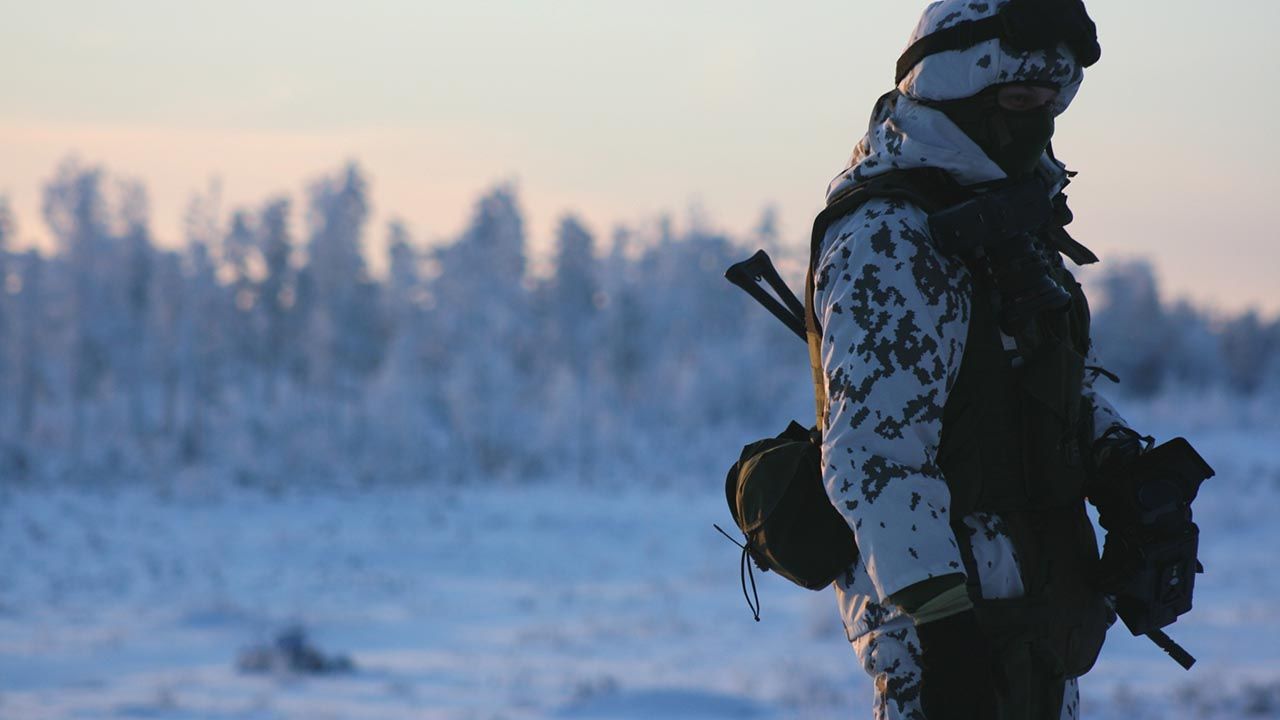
(776, 496)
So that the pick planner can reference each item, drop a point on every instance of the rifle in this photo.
(783, 303)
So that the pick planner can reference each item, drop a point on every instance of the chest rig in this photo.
(1015, 430)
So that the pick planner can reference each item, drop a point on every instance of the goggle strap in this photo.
(1026, 25)
(960, 36)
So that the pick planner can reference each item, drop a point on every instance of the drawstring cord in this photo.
(1096, 370)
(744, 572)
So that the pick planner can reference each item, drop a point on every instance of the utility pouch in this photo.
(1149, 560)
(777, 499)
(1159, 587)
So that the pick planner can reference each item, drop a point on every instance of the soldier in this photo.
(961, 420)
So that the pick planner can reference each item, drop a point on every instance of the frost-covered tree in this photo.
(238, 255)
(345, 335)
(404, 276)
(131, 355)
(8, 349)
(403, 305)
(1193, 357)
(403, 311)
(482, 321)
(569, 320)
(167, 333)
(626, 326)
(76, 212)
(201, 349)
(1249, 347)
(269, 360)
(29, 330)
(276, 293)
(1130, 328)
(574, 294)
(11, 350)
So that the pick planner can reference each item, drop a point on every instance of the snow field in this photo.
(555, 600)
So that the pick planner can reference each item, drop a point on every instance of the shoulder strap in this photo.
(929, 188)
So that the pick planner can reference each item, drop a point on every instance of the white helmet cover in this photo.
(959, 74)
(905, 134)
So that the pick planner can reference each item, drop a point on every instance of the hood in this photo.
(905, 134)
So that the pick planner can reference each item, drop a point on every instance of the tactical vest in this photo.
(1015, 434)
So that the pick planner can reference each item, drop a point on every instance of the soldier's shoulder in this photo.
(881, 226)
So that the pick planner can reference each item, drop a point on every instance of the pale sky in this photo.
(622, 110)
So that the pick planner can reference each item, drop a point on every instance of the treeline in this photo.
(268, 354)
(1155, 346)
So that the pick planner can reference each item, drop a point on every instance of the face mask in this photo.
(1014, 140)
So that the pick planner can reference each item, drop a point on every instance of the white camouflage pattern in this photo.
(895, 316)
(892, 658)
(906, 134)
(961, 73)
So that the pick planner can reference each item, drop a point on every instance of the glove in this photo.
(1121, 560)
(956, 682)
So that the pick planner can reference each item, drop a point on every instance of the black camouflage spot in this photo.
(874, 615)
(877, 473)
(823, 278)
(984, 61)
(882, 241)
(910, 344)
(915, 503)
(902, 687)
(892, 141)
(947, 20)
(923, 408)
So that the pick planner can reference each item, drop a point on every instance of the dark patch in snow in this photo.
(291, 652)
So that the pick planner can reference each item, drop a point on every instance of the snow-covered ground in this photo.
(616, 600)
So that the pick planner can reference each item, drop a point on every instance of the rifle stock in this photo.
(748, 275)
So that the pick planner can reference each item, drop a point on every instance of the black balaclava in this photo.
(1013, 139)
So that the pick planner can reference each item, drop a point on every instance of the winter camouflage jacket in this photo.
(895, 316)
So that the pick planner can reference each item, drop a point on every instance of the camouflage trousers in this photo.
(891, 655)
(885, 639)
